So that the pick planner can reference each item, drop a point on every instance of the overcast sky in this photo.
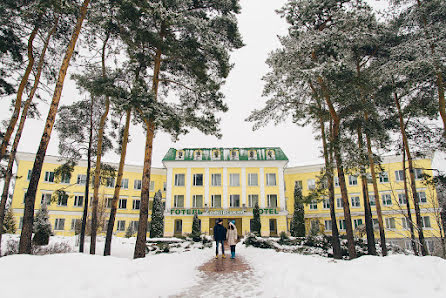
(259, 26)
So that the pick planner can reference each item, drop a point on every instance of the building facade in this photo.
(226, 183)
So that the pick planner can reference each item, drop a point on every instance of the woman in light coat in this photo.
(231, 236)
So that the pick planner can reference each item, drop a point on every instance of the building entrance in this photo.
(238, 224)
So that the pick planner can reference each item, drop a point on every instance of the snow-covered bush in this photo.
(12, 248)
(42, 226)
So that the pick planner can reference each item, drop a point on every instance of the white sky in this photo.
(259, 26)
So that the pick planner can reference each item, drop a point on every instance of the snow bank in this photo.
(294, 275)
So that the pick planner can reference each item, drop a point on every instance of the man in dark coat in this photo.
(220, 237)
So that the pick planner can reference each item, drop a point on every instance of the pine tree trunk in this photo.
(367, 209)
(111, 221)
(97, 170)
(409, 213)
(18, 101)
(412, 178)
(18, 134)
(25, 237)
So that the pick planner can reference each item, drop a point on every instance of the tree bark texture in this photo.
(409, 213)
(30, 197)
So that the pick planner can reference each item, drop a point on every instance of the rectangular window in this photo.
(272, 201)
(120, 225)
(78, 201)
(137, 184)
(135, 225)
(234, 201)
(253, 179)
(110, 182)
(426, 222)
(252, 200)
(136, 204)
(197, 201)
(46, 198)
(164, 186)
(29, 175)
(422, 197)
(65, 178)
(216, 179)
(372, 200)
(399, 175)
(355, 202)
(122, 204)
(326, 204)
(352, 180)
(313, 205)
(62, 200)
(81, 179)
(271, 179)
(386, 199)
(152, 186)
(234, 179)
(178, 201)
(357, 222)
(125, 183)
(336, 181)
(342, 224)
(59, 224)
(108, 202)
(75, 223)
(198, 180)
(328, 225)
(383, 177)
(216, 201)
(298, 183)
(178, 227)
(49, 177)
(390, 223)
(311, 184)
(418, 173)
(179, 179)
(375, 223)
(339, 202)
(402, 199)
(405, 223)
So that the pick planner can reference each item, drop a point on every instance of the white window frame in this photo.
(152, 186)
(312, 205)
(49, 177)
(60, 201)
(137, 184)
(136, 204)
(194, 201)
(326, 204)
(372, 200)
(339, 202)
(110, 182)
(405, 223)
(352, 180)
(311, 184)
(336, 181)
(390, 223)
(233, 199)
(418, 173)
(402, 200)
(65, 178)
(216, 179)
(81, 179)
(176, 201)
(73, 223)
(120, 226)
(357, 222)
(213, 200)
(342, 224)
(399, 175)
(271, 179)
(59, 224)
(234, 179)
(388, 199)
(424, 201)
(178, 181)
(355, 201)
(121, 203)
(196, 179)
(125, 183)
(77, 199)
(426, 222)
(328, 226)
(253, 179)
(251, 198)
(269, 200)
(383, 177)
(47, 196)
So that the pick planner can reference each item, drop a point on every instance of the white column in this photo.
(206, 186)
(281, 189)
(262, 188)
(169, 196)
(188, 185)
(243, 200)
(224, 202)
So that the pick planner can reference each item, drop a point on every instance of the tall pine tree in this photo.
(297, 227)
(157, 222)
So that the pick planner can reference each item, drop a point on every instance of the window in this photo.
(197, 155)
(180, 155)
(253, 179)
(399, 175)
(152, 186)
(234, 179)
(108, 202)
(383, 177)
(197, 201)
(136, 204)
(110, 182)
(198, 180)
(234, 154)
(339, 202)
(272, 201)
(422, 197)
(375, 223)
(357, 222)
(216, 179)
(311, 184)
(313, 205)
(179, 179)
(387, 199)
(125, 183)
(298, 183)
(59, 225)
(234, 201)
(252, 155)
(122, 203)
(215, 154)
(402, 199)
(65, 178)
(46, 198)
(270, 154)
(78, 201)
(216, 201)
(355, 202)
(425, 222)
(62, 199)
(164, 186)
(120, 226)
(405, 223)
(271, 179)
(81, 179)
(390, 223)
(178, 201)
(178, 227)
(137, 184)
(352, 180)
(342, 224)
(328, 225)
(418, 173)
(75, 224)
(253, 200)
(336, 181)
(29, 175)
(326, 204)
(134, 225)
(372, 200)
(49, 177)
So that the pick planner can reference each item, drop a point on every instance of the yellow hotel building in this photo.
(226, 183)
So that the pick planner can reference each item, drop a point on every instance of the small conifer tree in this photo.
(42, 226)
(196, 233)
(157, 223)
(297, 227)
(129, 232)
(256, 225)
(9, 226)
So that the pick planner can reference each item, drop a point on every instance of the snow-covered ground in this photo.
(272, 274)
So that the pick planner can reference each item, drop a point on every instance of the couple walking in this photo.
(221, 234)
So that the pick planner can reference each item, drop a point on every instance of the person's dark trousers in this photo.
(222, 242)
(232, 251)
